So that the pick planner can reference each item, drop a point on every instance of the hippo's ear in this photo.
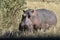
(24, 11)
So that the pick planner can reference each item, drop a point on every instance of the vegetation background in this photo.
(11, 14)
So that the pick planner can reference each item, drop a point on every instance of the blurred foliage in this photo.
(10, 13)
(45, 0)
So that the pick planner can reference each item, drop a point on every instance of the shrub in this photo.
(10, 13)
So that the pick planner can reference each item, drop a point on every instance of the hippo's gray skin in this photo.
(25, 23)
(45, 16)
(49, 16)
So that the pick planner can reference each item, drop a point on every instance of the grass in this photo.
(55, 7)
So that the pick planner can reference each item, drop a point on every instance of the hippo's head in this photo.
(28, 12)
(25, 21)
(26, 16)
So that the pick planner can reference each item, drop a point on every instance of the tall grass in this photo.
(10, 16)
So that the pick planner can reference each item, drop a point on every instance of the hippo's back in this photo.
(47, 16)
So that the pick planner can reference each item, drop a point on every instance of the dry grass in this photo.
(38, 5)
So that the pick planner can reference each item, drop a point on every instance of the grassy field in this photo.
(55, 7)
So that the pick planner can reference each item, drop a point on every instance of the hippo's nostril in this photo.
(28, 16)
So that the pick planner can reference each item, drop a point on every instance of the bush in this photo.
(10, 14)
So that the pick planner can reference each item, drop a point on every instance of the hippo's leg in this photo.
(44, 27)
(21, 28)
(40, 26)
(49, 26)
(25, 28)
(31, 28)
(35, 27)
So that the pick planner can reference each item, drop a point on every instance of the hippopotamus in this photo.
(25, 23)
(41, 17)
